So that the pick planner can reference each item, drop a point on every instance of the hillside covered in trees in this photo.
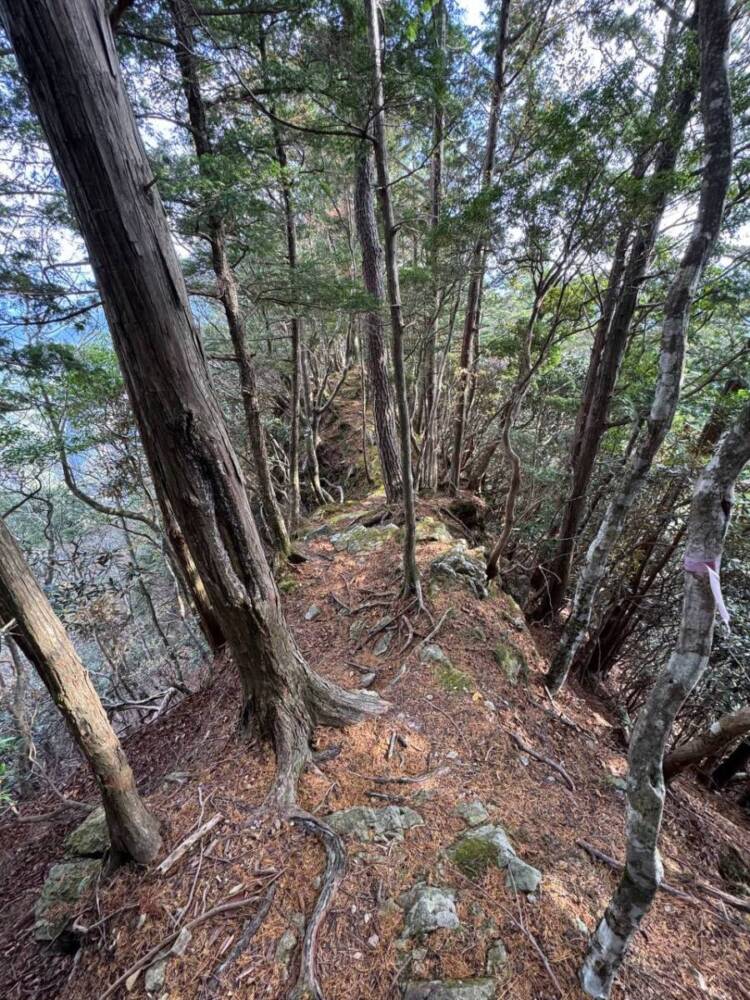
(374, 550)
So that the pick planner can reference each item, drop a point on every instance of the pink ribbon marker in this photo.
(710, 568)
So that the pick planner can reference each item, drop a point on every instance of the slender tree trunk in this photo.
(17, 708)
(99, 154)
(226, 279)
(719, 735)
(134, 833)
(716, 109)
(376, 352)
(625, 281)
(429, 460)
(411, 570)
(476, 268)
(709, 519)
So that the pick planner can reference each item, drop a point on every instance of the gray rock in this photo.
(367, 680)
(61, 893)
(430, 908)
(285, 947)
(156, 975)
(181, 943)
(432, 653)
(497, 957)
(473, 813)
(312, 613)
(523, 877)
(481, 847)
(365, 823)
(91, 838)
(360, 538)
(459, 566)
(451, 989)
(383, 643)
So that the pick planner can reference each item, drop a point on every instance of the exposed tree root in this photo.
(251, 928)
(307, 986)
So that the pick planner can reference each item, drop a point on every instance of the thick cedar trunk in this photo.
(716, 111)
(719, 735)
(376, 353)
(708, 522)
(428, 468)
(470, 336)
(225, 276)
(134, 833)
(68, 58)
(626, 278)
(411, 571)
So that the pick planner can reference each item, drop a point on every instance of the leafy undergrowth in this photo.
(457, 740)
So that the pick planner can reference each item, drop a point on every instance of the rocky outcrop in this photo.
(62, 892)
(460, 565)
(365, 823)
(429, 908)
(451, 989)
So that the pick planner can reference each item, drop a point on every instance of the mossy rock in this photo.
(359, 538)
(91, 838)
(61, 893)
(430, 529)
(453, 680)
(286, 584)
(512, 662)
(734, 868)
(481, 848)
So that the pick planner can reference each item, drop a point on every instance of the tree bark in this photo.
(182, 14)
(428, 468)
(134, 833)
(68, 59)
(716, 109)
(708, 523)
(737, 761)
(719, 735)
(411, 570)
(632, 255)
(383, 407)
(476, 267)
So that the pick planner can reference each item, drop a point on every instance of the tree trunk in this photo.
(225, 276)
(429, 459)
(708, 523)
(17, 708)
(716, 111)
(625, 281)
(476, 267)
(93, 137)
(376, 353)
(134, 833)
(411, 570)
(720, 734)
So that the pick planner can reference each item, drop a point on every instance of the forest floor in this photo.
(453, 725)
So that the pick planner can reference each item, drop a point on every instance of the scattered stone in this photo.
(156, 975)
(373, 941)
(432, 653)
(473, 813)
(383, 643)
(497, 957)
(360, 538)
(616, 782)
(512, 662)
(430, 908)
(312, 613)
(451, 989)
(430, 529)
(285, 947)
(132, 980)
(523, 877)
(91, 838)
(419, 955)
(365, 823)
(367, 680)
(458, 565)
(423, 795)
(181, 943)
(481, 847)
(61, 893)
(177, 777)
(357, 629)
(525, 759)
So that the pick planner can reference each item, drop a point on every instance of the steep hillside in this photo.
(473, 786)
